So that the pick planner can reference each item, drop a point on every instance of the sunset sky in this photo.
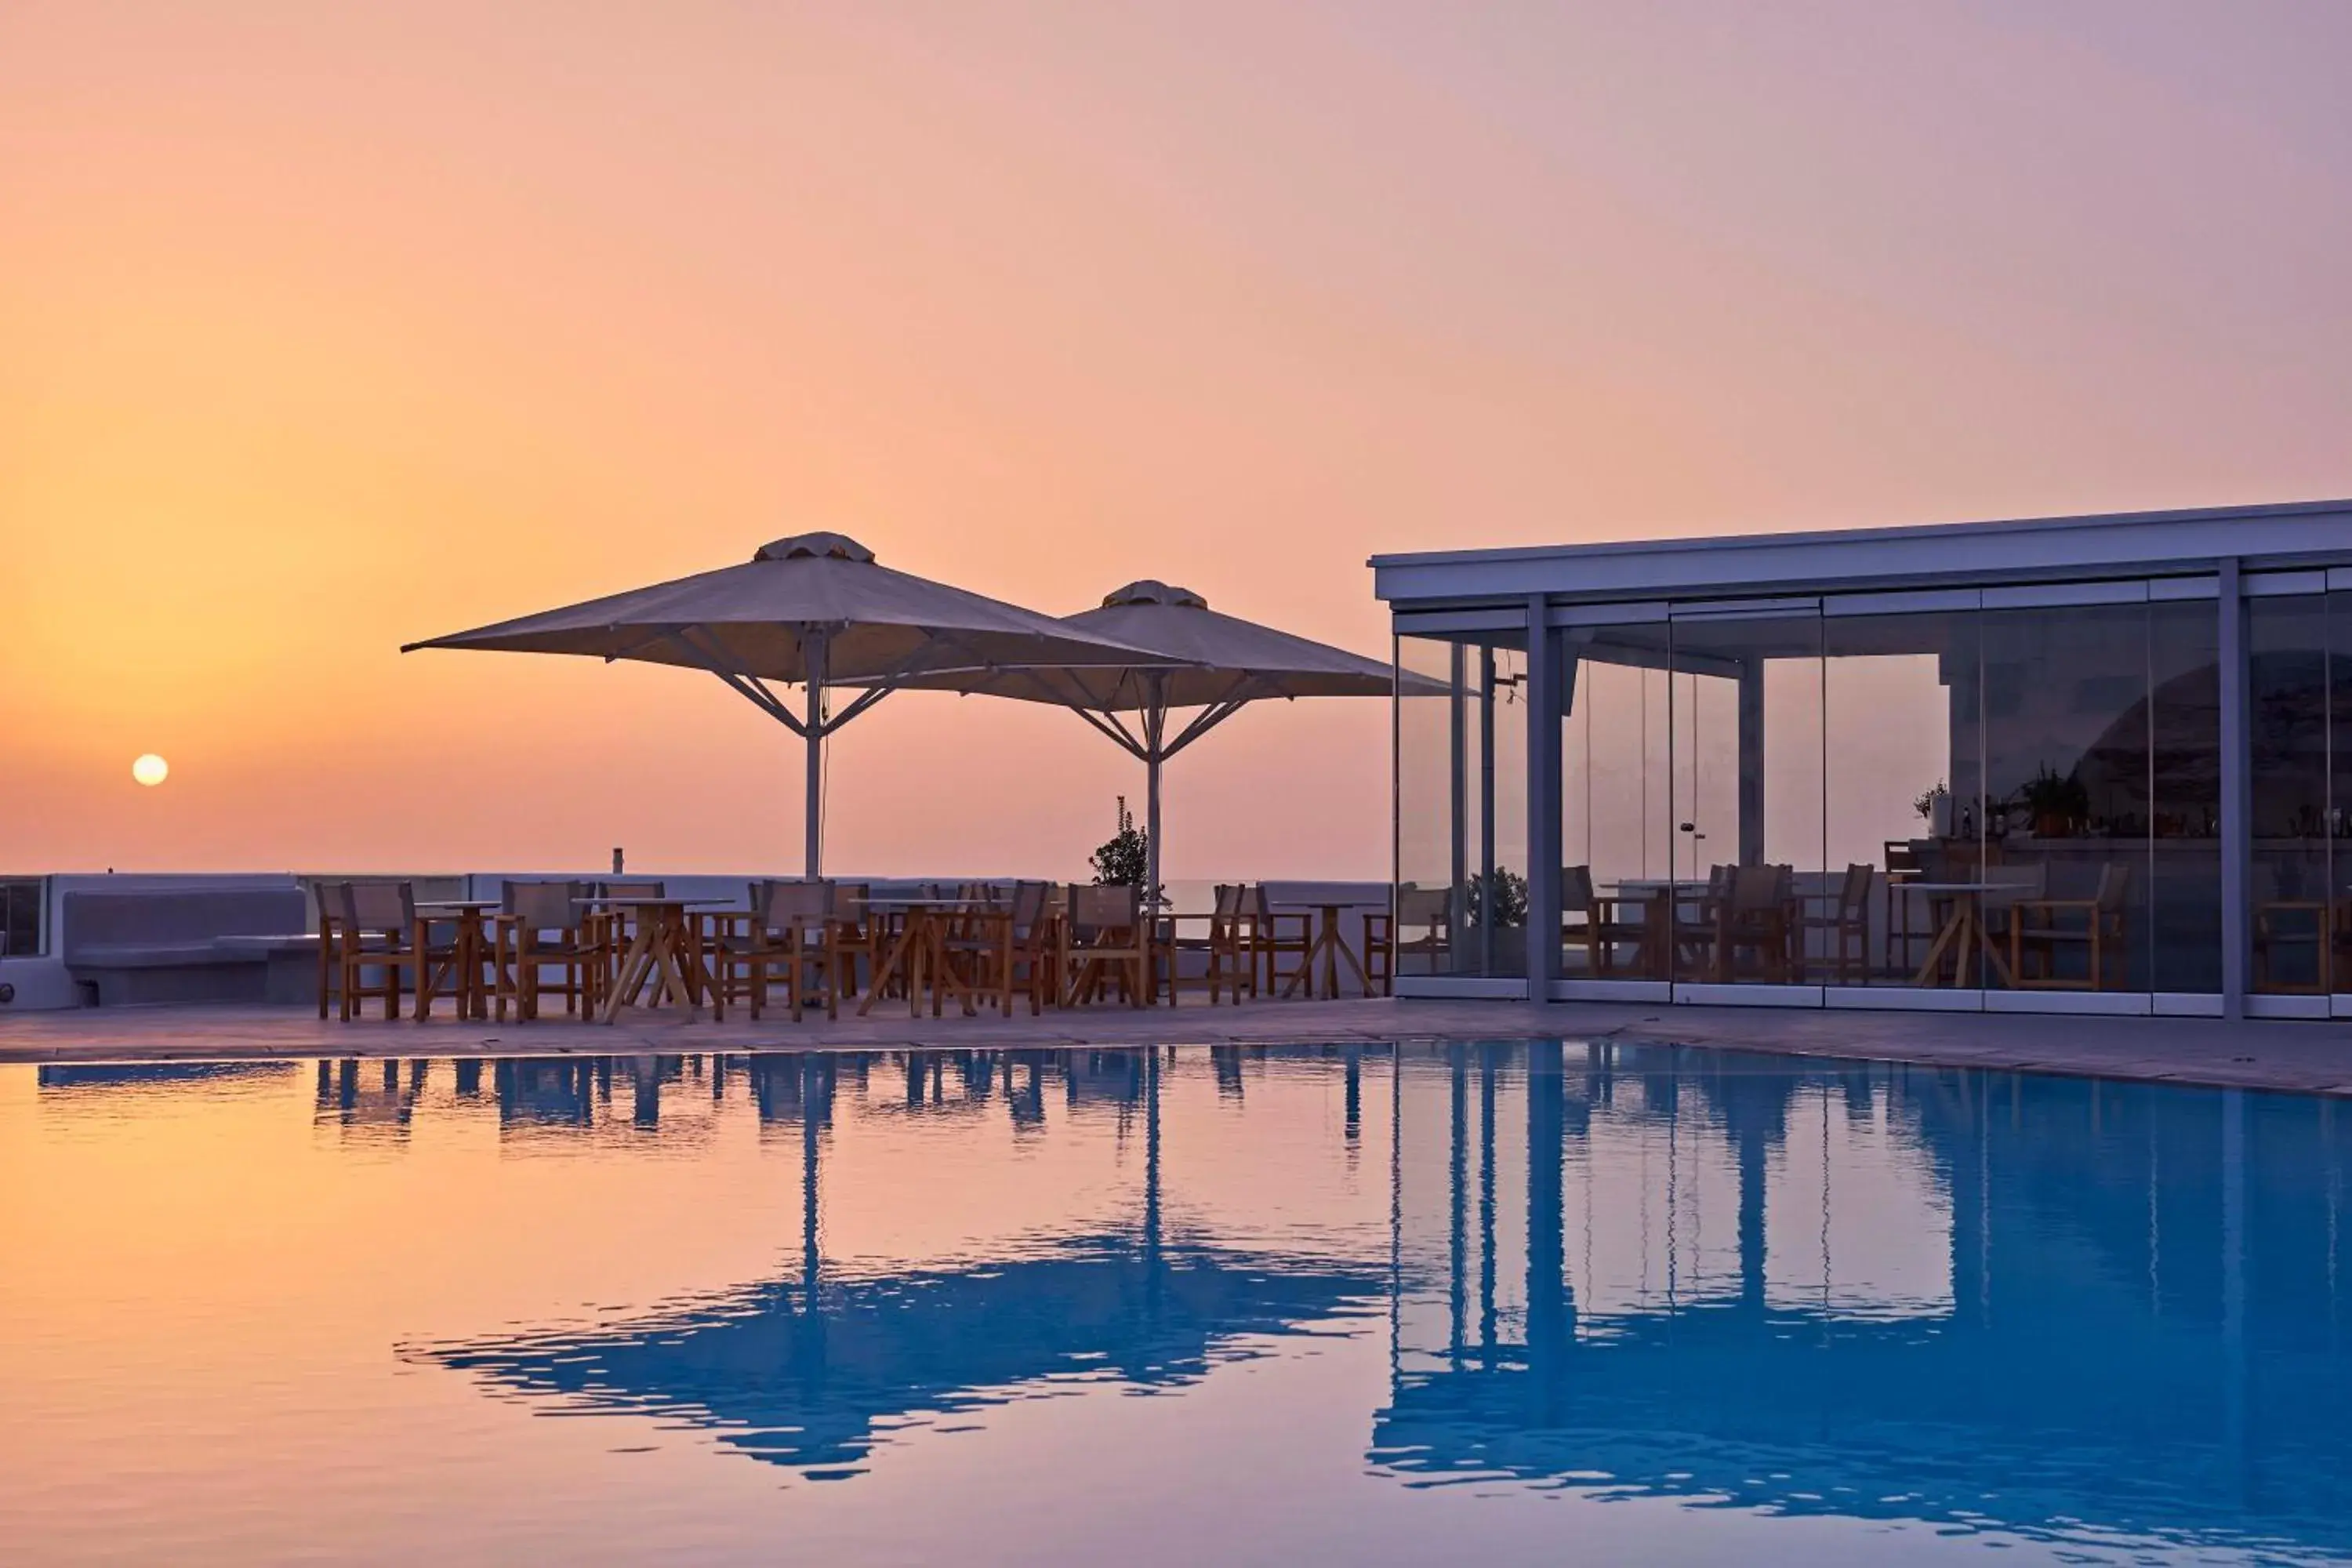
(326, 328)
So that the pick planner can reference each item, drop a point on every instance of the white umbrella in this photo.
(814, 608)
(1194, 658)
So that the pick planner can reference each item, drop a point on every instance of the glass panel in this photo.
(1745, 708)
(2287, 742)
(2067, 730)
(2339, 789)
(1902, 781)
(1462, 816)
(1616, 820)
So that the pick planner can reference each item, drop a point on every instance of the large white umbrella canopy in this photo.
(1197, 658)
(814, 609)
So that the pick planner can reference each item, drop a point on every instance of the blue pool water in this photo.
(1508, 1304)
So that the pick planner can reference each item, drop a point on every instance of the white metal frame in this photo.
(2140, 557)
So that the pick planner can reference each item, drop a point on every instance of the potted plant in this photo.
(1936, 805)
(1125, 859)
(2052, 802)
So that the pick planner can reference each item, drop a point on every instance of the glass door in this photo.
(1749, 889)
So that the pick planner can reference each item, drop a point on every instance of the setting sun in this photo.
(151, 769)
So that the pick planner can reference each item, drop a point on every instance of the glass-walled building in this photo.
(2072, 765)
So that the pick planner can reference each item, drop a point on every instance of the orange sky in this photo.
(326, 328)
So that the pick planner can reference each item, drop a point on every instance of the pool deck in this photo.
(2313, 1057)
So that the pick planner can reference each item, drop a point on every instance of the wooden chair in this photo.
(542, 925)
(1286, 934)
(856, 934)
(2043, 927)
(380, 930)
(327, 898)
(789, 932)
(1698, 923)
(1032, 937)
(1596, 922)
(1845, 929)
(1423, 928)
(2284, 925)
(1903, 864)
(1105, 935)
(1757, 915)
(979, 942)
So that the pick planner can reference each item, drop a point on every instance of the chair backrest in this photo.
(2026, 880)
(1902, 855)
(776, 901)
(849, 901)
(2115, 886)
(1100, 906)
(1757, 889)
(379, 905)
(1419, 906)
(1028, 906)
(1853, 897)
(631, 890)
(1575, 890)
(1233, 900)
(544, 906)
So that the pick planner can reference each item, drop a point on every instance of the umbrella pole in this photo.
(1155, 735)
(812, 846)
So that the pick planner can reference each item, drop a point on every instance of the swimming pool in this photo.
(1511, 1303)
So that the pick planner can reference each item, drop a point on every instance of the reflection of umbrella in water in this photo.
(803, 1374)
(814, 609)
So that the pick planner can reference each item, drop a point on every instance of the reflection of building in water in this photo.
(370, 1097)
(65, 1077)
(2130, 1327)
(805, 1372)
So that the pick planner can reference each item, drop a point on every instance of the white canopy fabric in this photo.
(1197, 658)
(816, 609)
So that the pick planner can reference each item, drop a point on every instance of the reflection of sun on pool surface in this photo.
(151, 769)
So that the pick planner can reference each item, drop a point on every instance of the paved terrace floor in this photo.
(2313, 1057)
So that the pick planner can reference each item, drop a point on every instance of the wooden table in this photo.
(473, 947)
(662, 951)
(1964, 934)
(1330, 947)
(1659, 895)
(918, 953)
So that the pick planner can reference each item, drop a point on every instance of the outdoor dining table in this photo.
(662, 951)
(473, 951)
(917, 954)
(1332, 947)
(1964, 934)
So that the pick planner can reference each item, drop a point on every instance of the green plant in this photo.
(1125, 859)
(1925, 802)
(2050, 794)
(1511, 898)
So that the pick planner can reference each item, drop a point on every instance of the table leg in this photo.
(1991, 956)
(1303, 975)
(633, 974)
(893, 961)
(1340, 948)
(1931, 967)
(469, 965)
(684, 963)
